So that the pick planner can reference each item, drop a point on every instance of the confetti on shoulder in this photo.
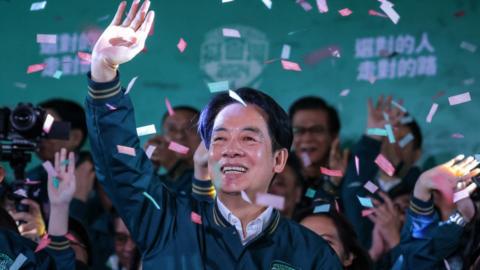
(126, 150)
(196, 218)
(151, 199)
(176, 147)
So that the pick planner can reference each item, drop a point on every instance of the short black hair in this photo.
(317, 103)
(415, 130)
(187, 108)
(278, 123)
(71, 112)
(296, 166)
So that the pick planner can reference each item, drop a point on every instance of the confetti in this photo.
(235, 96)
(469, 81)
(244, 196)
(71, 238)
(110, 107)
(372, 12)
(387, 7)
(146, 130)
(20, 85)
(477, 157)
(21, 192)
(324, 208)
(367, 212)
(35, 68)
(151, 199)
(38, 6)
(405, 140)
(44, 242)
(345, 12)
(457, 136)
(357, 165)
(150, 150)
(31, 182)
(226, 1)
(285, 51)
(310, 193)
(406, 119)
(370, 187)
(229, 32)
(468, 46)
(306, 159)
(181, 45)
(333, 173)
(170, 110)
(85, 57)
(57, 74)
(47, 124)
(460, 195)
(365, 202)
(103, 18)
(47, 39)
(130, 84)
(178, 148)
(385, 165)
(126, 150)
(267, 199)
(267, 3)
(400, 107)
(432, 112)
(459, 99)
(305, 5)
(196, 218)
(377, 132)
(47, 165)
(317, 55)
(322, 6)
(344, 92)
(391, 137)
(288, 65)
(19, 261)
(218, 86)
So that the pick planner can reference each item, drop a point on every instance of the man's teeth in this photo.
(234, 169)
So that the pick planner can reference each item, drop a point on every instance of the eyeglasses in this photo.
(314, 130)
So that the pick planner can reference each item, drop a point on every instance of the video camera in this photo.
(21, 131)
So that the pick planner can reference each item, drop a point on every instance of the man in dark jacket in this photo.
(247, 146)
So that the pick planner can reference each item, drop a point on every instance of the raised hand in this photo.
(445, 177)
(122, 40)
(387, 219)
(338, 160)
(32, 226)
(376, 118)
(62, 187)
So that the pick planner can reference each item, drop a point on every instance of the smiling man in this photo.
(247, 146)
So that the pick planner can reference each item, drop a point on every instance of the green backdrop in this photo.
(429, 64)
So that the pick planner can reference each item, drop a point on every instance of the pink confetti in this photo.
(169, 107)
(288, 65)
(44, 242)
(322, 6)
(21, 192)
(385, 165)
(181, 45)
(130, 84)
(459, 99)
(35, 68)
(357, 165)
(85, 57)
(110, 107)
(47, 165)
(334, 173)
(432, 112)
(229, 32)
(47, 125)
(372, 12)
(150, 150)
(267, 199)
(305, 5)
(367, 212)
(126, 150)
(31, 182)
(345, 12)
(71, 238)
(47, 39)
(457, 136)
(370, 187)
(387, 7)
(176, 147)
(196, 218)
(345, 92)
(317, 55)
(460, 195)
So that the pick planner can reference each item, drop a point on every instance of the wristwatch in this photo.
(456, 218)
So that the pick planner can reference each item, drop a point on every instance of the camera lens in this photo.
(23, 118)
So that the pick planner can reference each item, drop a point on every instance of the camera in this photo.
(21, 130)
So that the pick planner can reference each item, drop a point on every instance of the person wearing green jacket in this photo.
(243, 148)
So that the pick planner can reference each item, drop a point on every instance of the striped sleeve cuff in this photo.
(420, 207)
(103, 90)
(59, 243)
(202, 189)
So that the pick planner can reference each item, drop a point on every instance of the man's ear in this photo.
(348, 260)
(280, 159)
(76, 137)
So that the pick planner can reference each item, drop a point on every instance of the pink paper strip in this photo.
(345, 12)
(47, 125)
(267, 199)
(322, 6)
(288, 65)
(176, 147)
(372, 12)
(334, 173)
(370, 187)
(169, 107)
(48, 39)
(432, 112)
(181, 45)
(126, 150)
(196, 218)
(357, 165)
(367, 212)
(86, 57)
(385, 165)
(229, 32)
(150, 150)
(44, 242)
(459, 99)
(35, 68)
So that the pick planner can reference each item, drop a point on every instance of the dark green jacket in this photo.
(58, 255)
(366, 150)
(166, 236)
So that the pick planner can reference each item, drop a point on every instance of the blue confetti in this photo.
(218, 86)
(365, 202)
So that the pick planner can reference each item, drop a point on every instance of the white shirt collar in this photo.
(253, 228)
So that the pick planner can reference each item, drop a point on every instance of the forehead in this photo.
(180, 116)
(310, 117)
(237, 116)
